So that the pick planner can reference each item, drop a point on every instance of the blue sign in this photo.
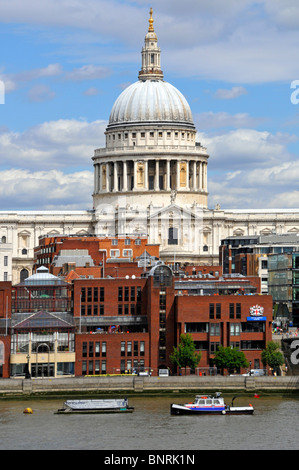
(256, 318)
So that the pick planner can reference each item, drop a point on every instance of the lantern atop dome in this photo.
(151, 64)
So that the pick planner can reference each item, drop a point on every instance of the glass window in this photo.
(102, 294)
(120, 293)
(132, 294)
(238, 310)
(215, 329)
(235, 329)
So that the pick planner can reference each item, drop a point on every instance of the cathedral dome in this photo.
(151, 101)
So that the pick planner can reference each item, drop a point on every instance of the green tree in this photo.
(184, 355)
(230, 359)
(272, 357)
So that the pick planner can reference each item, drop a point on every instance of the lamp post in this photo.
(27, 373)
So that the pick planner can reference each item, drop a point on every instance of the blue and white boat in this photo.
(208, 405)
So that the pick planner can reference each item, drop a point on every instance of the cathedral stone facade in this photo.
(150, 179)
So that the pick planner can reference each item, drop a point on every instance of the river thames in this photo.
(273, 426)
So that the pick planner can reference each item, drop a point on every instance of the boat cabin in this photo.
(208, 401)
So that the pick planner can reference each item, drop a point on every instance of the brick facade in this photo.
(129, 323)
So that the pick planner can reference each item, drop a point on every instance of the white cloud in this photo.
(54, 144)
(246, 148)
(51, 165)
(50, 70)
(12, 81)
(40, 93)
(231, 94)
(210, 120)
(9, 83)
(251, 169)
(46, 190)
(91, 92)
(88, 72)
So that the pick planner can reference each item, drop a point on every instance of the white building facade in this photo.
(150, 179)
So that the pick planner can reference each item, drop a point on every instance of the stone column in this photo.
(135, 176)
(205, 183)
(115, 177)
(157, 176)
(168, 175)
(177, 175)
(99, 178)
(194, 183)
(200, 176)
(96, 178)
(187, 175)
(107, 177)
(146, 174)
(125, 177)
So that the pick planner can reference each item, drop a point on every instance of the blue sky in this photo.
(64, 63)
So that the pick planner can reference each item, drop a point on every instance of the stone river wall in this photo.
(135, 384)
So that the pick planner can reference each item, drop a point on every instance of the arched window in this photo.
(162, 276)
(3, 239)
(23, 275)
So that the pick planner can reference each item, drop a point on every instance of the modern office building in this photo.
(249, 255)
(284, 286)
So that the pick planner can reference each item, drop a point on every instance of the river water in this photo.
(274, 426)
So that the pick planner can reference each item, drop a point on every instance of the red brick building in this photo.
(227, 320)
(126, 320)
(61, 253)
(123, 324)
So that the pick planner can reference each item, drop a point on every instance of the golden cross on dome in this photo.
(151, 21)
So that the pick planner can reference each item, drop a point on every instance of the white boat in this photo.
(96, 406)
(208, 405)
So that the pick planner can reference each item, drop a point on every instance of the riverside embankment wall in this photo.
(133, 384)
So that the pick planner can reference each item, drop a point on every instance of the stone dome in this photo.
(151, 101)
